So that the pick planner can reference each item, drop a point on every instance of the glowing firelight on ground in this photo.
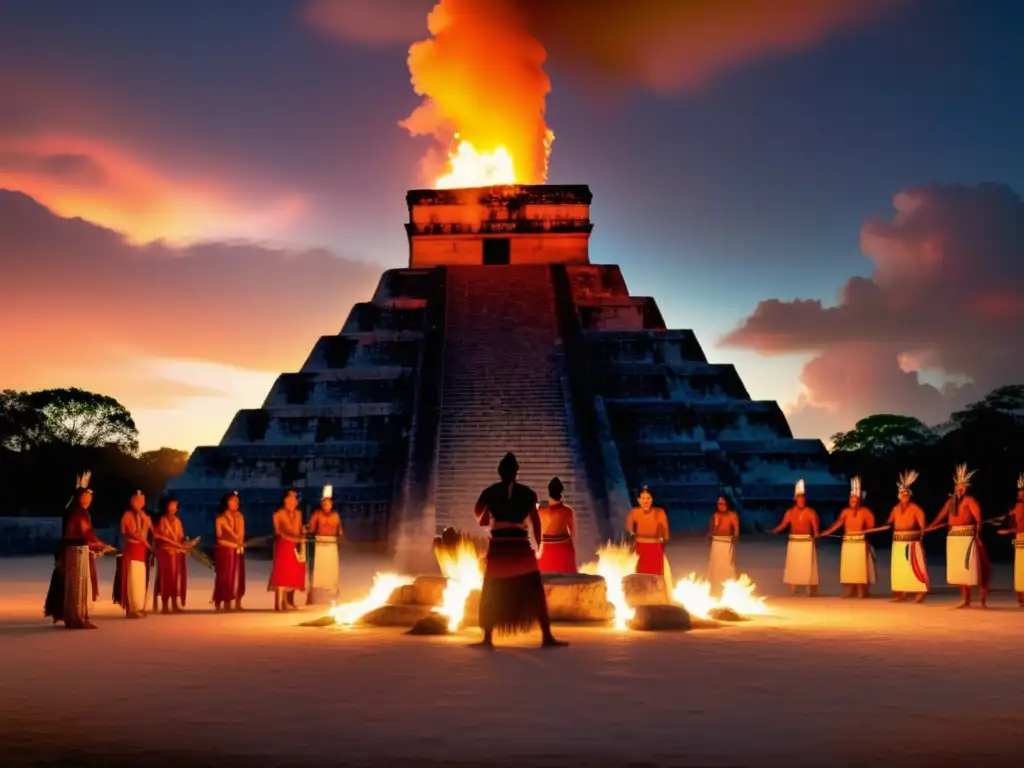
(383, 585)
(615, 562)
(464, 574)
(469, 167)
(737, 594)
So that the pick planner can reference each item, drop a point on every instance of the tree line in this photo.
(47, 437)
(50, 436)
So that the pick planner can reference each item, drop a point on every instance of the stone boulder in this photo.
(645, 589)
(323, 621)
(577, 597)
(660, 618)
(434, 624)
(725, 614)
(425, 590)
(471, 617)
(395, 615)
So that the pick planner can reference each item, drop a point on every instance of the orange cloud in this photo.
(945, 302)
(668, 45)
(79, 176)
(160, 326)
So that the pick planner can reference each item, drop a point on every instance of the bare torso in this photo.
(801, 522)
(556, 520)
(170, 529)
(287, 524)
(907, 518)
(1016, 520)
(964, 512)
(325, 523)
(649, 523)
(725, 524)
(857, 520)
(135, 526)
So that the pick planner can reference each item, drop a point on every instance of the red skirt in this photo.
(557, 555)
(229, 569)
(512, 597)
(288, 572)
(652, 557)
(171, 575)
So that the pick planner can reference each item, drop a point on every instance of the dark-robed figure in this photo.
(74, 579)
(512, 599)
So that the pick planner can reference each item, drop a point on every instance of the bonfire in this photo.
(737, 595)
(383, 585)
(461, 567)
(614, 563)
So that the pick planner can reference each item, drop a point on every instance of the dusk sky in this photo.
(827, 192)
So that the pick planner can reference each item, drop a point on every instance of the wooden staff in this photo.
(854, 533)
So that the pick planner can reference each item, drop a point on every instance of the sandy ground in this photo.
(823, 682)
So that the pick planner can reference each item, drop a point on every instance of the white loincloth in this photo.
(908, 563)
(324, 585)
(857, 561)
(963, 568)
(136, 580)
(1018, 563)
(722, 562)
(77, 585)
(801, 562)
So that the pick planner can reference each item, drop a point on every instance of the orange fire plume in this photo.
(484, 91)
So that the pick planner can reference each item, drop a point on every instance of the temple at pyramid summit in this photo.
(501, 335)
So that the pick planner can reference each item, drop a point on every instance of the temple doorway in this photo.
(497, 251)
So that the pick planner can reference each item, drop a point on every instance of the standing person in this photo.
(288, 574)
(172, 550)
(512, 598)
(325, 527)
(801, 552)
(131, 575)
(967, 563)
(857, 570)
(557, 523)
(723, 530)
(649, 526)
(1016, 529)
(909, 570)
(74, 573)
(229, 555)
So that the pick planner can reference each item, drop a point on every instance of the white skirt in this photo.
(857, 561)
(908, 570)
(326, 571)
(136, 576)
(963, 567)
(801, 562)
(722, 562)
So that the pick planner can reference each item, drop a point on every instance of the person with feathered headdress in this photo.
(908, 571)
(512, 597)
(648, 525)
(74, 574)
(857, 571)
(131, 574)
(801, 551)
(288, 573)
(557, 521)
(724, 529)
(325, 527)
(967, 563)
(1016, 529)
(229, 554)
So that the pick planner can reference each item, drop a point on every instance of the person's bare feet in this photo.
(963, 605)
(898, 599)
(484, 645)
(550, 642)
(920, 598)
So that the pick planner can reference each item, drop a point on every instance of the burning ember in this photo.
(383, 585)
(462, 569)
(615, 562)
(737, 594)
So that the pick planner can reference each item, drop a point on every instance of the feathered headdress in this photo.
(328, 492)
(907, 478)
(1020, 482)
(800, 489)
(82, 481)
(962, 475)
(855, 488)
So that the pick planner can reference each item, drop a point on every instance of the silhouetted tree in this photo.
(75, 417)
(884, 433)
(20, 423)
